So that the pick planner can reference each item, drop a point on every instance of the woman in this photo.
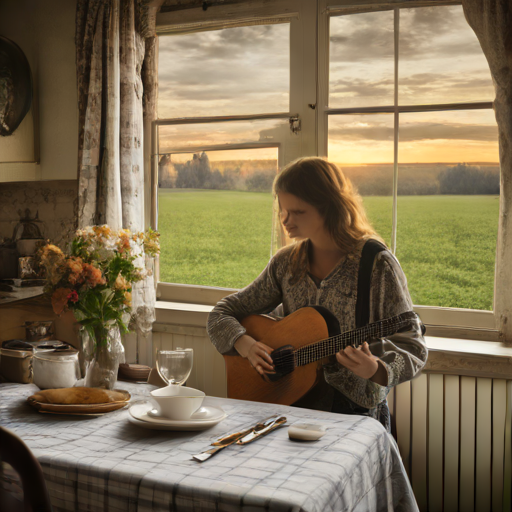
(322, 212)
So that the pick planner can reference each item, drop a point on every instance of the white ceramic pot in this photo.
(177, 402)
(53, 369)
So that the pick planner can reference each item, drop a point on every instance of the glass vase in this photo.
(102, 358)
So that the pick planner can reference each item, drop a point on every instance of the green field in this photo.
(446, 244)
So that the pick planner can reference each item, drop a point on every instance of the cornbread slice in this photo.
(79, 395)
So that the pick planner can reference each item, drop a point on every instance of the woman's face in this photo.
(300, 219)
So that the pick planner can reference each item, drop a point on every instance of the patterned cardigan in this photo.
(404, 354)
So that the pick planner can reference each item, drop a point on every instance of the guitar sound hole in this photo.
(283, 362)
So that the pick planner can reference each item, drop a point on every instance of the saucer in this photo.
(139, 415)
(203, 413)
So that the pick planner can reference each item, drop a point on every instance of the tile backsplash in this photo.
(55, 201)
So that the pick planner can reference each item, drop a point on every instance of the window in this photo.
(227, 122)
(401, 98)
(410, 89)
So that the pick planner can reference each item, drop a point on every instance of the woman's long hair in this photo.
(323, 185)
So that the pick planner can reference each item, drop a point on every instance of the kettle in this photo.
(27, 233)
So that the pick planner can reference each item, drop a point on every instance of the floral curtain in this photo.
(115, 40)
(492, 22)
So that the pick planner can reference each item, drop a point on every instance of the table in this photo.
(107, 463)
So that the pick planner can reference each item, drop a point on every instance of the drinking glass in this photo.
(174, 366)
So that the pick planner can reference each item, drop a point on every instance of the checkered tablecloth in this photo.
(108, 464)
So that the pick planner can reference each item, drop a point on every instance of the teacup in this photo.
(177, 402)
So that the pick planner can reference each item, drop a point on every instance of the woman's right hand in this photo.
(256, 352)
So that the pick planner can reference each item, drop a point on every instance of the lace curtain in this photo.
(116, 75)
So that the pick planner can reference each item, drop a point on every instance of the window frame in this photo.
(309, 51)
(302, 94)
(449, 322)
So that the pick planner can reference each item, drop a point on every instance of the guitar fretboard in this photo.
(329, 346)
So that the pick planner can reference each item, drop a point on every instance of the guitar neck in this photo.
(330, 346)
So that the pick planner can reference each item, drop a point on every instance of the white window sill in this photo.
(470, 357)
(182, 313)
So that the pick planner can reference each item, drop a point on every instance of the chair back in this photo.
(15, 452)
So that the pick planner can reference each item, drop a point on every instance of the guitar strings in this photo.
(321, 349)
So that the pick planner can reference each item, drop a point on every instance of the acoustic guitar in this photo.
(313, 335)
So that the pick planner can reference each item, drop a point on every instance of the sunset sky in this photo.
(246, 70)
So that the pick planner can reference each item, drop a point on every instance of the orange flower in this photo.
(121, 283)
(102, 231)
(53, 261)
(75, 265)
(124, 240)
(128, 298)
(60, 300)
(93, 275)
(123, 245)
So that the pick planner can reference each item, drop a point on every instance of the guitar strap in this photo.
(340, 403)
(323, 397)
(370, 250)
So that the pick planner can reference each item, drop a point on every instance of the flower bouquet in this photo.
(95, 282)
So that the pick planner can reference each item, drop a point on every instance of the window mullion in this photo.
(323, 77)
(395, 133)
(223, 119)
(155, 146)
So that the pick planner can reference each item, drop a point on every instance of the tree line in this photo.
(460, 179)
(198, 173)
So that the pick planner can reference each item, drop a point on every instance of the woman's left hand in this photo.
(359, 360)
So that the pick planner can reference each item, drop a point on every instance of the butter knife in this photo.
(201, 457)
(230, 439)
(240, 433)
(252, 436)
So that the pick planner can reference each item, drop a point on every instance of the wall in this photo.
(55, 201)
(45, 31)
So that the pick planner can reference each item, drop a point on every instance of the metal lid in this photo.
(21, 354)
(55, 351)
(17, 345)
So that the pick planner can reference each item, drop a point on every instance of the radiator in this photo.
(454, 434)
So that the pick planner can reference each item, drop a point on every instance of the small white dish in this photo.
(177, 402)
(205, 419)
(305, 431)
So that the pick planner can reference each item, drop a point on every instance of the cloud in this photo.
(234, 46)
(412, 132)
(436, 131)
(419, 85)
(202, 135)
(233, 65)
(362, 37)
(425, 33)
(361, 87)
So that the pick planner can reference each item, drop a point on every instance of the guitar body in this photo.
(303, 327)
(305, 338)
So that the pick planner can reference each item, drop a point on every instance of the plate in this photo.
(81, 409)
(208, 418)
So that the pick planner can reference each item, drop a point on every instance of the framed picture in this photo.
(18, 119)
